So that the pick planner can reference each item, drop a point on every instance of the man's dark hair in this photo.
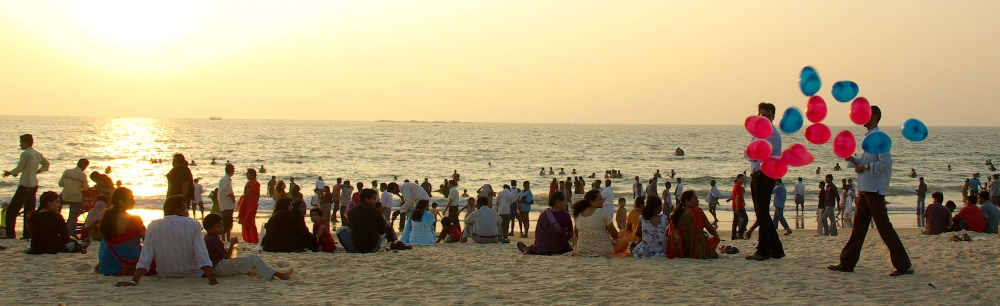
(83, 163)
(876, 113)
(367, 193)
(28, 139)
(173, 204)
(211, 220)
(230, 167)
(937, 195)
(765, 106)
(984, 195)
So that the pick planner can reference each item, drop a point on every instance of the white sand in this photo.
(963, 272)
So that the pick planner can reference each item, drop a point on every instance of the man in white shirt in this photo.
(713, 200)
(451, 209)
(667, 197)
(74, 182)
(609, 198)
(636, 189)
(198, 200)
(176, 243)
(651, 188)
(502, 207)
(320, 184)
(227, 200)
(679, 190)
(29, 165)
(482, 225)
(386, 200)
(411, 193)
(800, 196)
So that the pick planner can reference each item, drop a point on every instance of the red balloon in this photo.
(861, 111)
(797, 155)
(759, 149)
(816, 109)
(817, 133)
(758, 126)
(844, 144)
(774, 167)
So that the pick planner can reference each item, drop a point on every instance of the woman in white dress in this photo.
(595, 229)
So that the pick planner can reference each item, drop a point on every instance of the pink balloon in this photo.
(816, 109)
(759, 126)
(774, 167)
(845, 144)
(797, 155)
(817, 133)
(861, 111)
(759, 149)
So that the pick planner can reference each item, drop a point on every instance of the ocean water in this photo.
(394, 151)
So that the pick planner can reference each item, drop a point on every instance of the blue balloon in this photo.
(809, 81)
(791, 121)
(876, 142)
(845, 91)
(914, 130)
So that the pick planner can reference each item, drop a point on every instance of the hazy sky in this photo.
(661, 62)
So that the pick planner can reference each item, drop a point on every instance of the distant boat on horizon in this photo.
(214, 118)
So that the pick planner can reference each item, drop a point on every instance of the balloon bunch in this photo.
(844, 144)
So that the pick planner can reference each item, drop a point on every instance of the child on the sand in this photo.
(621, 214)
(449, 232)
(224, 265)
(322, 232)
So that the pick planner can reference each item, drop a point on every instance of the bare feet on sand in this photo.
(283, 275)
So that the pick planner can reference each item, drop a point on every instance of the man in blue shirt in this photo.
(974, 184)
(874, 172)
(779, 206)
(761, 186)
(990, 212)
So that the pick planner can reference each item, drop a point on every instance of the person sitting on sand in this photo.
(286, 230)
(595, 230)
(449, 232)
(93, 220)
(970, 218)
(652, 232)
(686, 232)
(990, 212)
(121, 236)
(321, 229)
(222, 262)
(553, 230)
(632, 220)
(176, 243)
(483, 225)
(938, 217)
(420, 229)
(49, 234)
(368, 228)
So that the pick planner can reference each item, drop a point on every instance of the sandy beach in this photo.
(458, 274)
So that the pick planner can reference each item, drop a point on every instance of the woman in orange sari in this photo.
(248, 207)
(686, 233)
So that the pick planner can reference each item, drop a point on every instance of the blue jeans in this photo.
(920, 211)
(74, 215)
(779, 216)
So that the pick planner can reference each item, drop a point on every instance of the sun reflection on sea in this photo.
(129, 144)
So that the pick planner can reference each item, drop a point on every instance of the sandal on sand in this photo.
(954, 238)
(965, 237)
(521, 247)
(839, 268)
(400, 246)
(898, 273)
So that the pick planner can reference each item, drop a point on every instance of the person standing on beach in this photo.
(198, 201)
(227, 200)
(761, 186)
(609, 198)
(337, 189)
(995, 189)
(829, 214)
(453, 201)
(637, 188)
(651, 191)
(179, 179)
(410, 193)
(29, 165)
(713, 199)
(524, 200)
(800, 197)
(74, 183)
(921, 194)
(679, 190)
(504, 198)
(426, 185)
(974, 184)
(385, 199)
(346, 193)
(739, 208)
(270, 187)
(779, 206)
(668, 199)
(874, 172)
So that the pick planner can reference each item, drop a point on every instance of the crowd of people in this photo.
(668, 224)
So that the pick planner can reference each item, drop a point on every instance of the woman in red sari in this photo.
(686, 233)
(248, 207)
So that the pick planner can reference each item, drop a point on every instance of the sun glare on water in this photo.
(129, 143)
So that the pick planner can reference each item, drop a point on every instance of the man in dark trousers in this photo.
(761, 186)
(874, 172)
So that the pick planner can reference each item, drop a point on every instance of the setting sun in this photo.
(138, 25)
